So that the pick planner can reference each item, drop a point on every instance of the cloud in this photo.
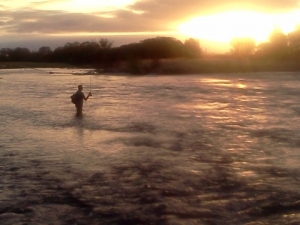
(33, 21)
(181, 8)
(51, 22)
(141, 16)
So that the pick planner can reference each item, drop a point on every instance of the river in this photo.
(193, 149)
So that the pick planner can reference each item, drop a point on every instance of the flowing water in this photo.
(197, 149)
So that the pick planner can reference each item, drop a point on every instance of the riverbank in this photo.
(19, 65)
(205, 65)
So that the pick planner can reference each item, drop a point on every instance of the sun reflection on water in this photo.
(213, 105)
(247, 173)
(223, 83)
(241, 85)
(214, 81)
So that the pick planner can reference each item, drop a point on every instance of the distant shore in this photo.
(173, 66)
(205, 65)
(20, 65)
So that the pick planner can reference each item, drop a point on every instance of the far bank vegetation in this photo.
(164, 55)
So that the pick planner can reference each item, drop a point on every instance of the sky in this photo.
(36, 23)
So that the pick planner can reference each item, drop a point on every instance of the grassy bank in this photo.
(206, 65)
(17, 65)
(177, 66)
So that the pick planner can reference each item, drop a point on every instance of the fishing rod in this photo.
(91, 85)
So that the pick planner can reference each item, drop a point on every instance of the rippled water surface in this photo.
(206, 149)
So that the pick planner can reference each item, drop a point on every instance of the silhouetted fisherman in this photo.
(79, 99)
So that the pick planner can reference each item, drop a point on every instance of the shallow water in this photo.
(206, 149)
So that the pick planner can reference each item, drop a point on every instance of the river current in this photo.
(193, 149)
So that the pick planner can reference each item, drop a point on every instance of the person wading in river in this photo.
(79, 99)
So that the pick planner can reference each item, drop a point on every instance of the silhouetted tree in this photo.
(192, 47)
(162, 47)
(45, 50)
(88, 52)
(5, 54)
(42, 55)
(294, 42)
(105, 43)
(276, 49)
(263, 49)
(242, 47)
(278, 44)
(68, 54)
(104, 57)
(20, 54)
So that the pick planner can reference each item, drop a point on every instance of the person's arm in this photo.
(86, 98)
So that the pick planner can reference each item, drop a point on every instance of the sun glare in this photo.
(225, 26)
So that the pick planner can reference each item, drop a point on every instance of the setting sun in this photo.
(225, 26)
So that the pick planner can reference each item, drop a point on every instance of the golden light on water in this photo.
(215, 105)
(223, 82)
(241, 85)
(224, 26)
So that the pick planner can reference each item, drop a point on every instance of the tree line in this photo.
(279, 46)
(280, 52)
(102, 54)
